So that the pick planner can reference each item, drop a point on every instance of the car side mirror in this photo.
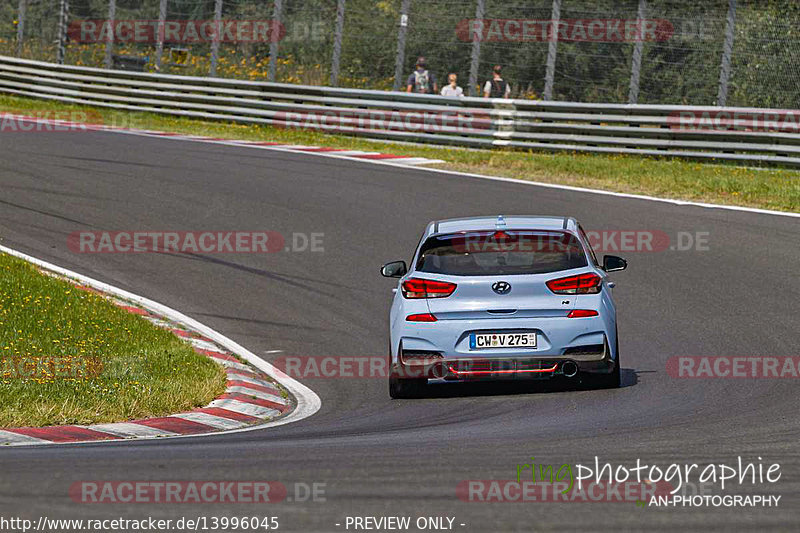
(612, 263)
(395, 269)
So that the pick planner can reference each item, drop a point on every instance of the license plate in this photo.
(478, 341)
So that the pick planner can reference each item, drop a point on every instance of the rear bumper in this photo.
(442, 349)
(430, 365)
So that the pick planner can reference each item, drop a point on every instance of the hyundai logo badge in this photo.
(501, 287)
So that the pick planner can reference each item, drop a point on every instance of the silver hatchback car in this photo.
(494, 298)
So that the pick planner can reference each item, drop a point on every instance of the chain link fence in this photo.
(717, 52)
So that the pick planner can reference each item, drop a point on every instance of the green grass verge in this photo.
(777, 189)
(70, 356)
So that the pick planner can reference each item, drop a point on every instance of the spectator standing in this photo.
(422, 80)
(452, 89)
(497, 87)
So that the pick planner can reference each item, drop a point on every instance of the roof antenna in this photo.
(501, 222)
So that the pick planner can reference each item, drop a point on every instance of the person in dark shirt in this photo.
(422, 80)
(497, 87)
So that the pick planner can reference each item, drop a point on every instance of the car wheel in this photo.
(400, 388)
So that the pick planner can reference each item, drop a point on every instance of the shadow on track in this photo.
(501, 388)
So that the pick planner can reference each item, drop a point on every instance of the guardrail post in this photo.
(162, 18)
(552, 48)
(212, 71)
(337, 42)
(401, 45)
(23, 5)
(636, 65)
(727, 50)
(63, 20)
(277, 15)
(108, 62)
(476, 46)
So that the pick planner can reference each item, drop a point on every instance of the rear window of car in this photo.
(488, 253)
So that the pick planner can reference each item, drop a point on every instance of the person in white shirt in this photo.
(452, 89)
(497, 87)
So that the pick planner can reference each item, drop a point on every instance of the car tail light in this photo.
(581, 313)
(421, 317)
(426, 288)
(580, 284)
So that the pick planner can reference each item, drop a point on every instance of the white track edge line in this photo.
(292, 149)
(392, 163)
(308, 402)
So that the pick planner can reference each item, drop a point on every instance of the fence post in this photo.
(636, 65)
(401, 44)
(552, 48)
(212, 71)
(277, 15)
(23, 4)
(108, 62)
(162, 18)
(476, 46)
(727, 50)
(337, 42)
(63, 20)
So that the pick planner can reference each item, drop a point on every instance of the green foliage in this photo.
(682, 67)
(70, 356)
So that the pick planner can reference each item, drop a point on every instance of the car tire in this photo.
(400, 388)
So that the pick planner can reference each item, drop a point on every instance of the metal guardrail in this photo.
(468, 122)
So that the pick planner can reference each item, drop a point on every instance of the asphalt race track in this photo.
(379, 457)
